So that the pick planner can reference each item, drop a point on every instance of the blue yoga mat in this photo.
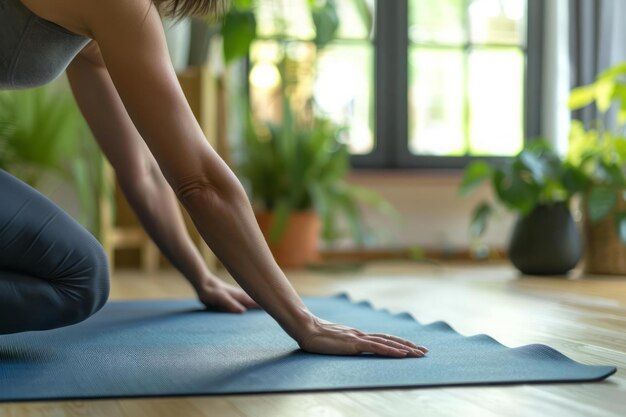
(172, 348)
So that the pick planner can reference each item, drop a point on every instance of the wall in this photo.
(433, 215)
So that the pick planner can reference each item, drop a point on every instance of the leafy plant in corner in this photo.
(599, 151)
(536, 176)
(42, 133)
(295, 166)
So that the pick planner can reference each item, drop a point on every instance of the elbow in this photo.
(198, 190)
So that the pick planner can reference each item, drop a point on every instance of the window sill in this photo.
(451, 177)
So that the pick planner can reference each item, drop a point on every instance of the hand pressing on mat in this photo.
(218, 295)
(141, 118)
(334, 339)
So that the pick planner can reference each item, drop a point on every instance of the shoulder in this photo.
(97, 15)
(80, 16)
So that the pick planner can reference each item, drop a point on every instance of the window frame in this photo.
(391, 80)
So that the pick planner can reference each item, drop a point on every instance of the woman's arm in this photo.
(141, 181)
(132, 43)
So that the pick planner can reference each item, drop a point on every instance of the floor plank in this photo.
(583, 317)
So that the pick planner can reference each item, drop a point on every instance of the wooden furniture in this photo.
(584, 318)
(200, 88)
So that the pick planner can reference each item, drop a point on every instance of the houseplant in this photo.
(41, 134)
(598, 151)
(538, 186)
(295, 172)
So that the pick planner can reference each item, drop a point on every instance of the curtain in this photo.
(597, 41)
(555, 115)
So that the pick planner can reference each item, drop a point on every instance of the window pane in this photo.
(496, 101)
(439, 21)
(498, 21)
(337, 79)
(290, 18)
(356, 18)
(436, 96)
(344, 91)
(265, 79)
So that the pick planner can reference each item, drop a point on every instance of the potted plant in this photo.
(598, 152)
(538, 186)
(295, 174)
(42, 133)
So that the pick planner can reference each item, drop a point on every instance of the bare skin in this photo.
(142, 182)
(127, 90)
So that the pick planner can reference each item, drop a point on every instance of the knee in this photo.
(99, 279)
(87, 291)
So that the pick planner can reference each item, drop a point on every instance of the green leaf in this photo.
(475, 174)
(353, 216)
(279, 222)
(374, 200)
(613, 72)
(600, 202)
(621, 115)
(513, 191)
(238, 31)
(326, 21)
(243, 4)
(574, 179)
(610, 174)
(536, 165)
(604, 94)
(480, 218)
(619, 94)
(581, 97)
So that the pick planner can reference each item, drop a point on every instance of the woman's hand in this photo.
(333, 339)
(218, 295)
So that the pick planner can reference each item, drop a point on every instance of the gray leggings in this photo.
(53, 272)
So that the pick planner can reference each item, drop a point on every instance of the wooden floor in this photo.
(583, 317)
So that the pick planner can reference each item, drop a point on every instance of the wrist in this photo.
(300, 323)
(203, 282)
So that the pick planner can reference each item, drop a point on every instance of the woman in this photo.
(52, 272)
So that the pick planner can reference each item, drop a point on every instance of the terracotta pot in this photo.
(298, 245)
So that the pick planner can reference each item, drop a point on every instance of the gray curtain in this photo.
(597, 41)
(554, 63)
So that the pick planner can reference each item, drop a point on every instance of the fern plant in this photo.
(42, 133)
(296, 166)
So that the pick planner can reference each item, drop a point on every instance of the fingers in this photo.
(368, 346)
(400, 340)
(400, 346)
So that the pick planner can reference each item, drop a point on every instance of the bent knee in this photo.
(87, 292)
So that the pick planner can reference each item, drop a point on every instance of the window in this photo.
(336, 80)
(466, 77)
(430, 84)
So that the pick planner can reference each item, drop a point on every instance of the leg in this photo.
(53, 272)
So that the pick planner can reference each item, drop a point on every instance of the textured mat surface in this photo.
(166, 348)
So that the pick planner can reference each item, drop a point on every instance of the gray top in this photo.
(33, 51)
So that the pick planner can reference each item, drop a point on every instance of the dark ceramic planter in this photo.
(546, 242)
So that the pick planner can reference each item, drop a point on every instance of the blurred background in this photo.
(355, 122)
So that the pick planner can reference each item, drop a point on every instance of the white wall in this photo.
(433, 215)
